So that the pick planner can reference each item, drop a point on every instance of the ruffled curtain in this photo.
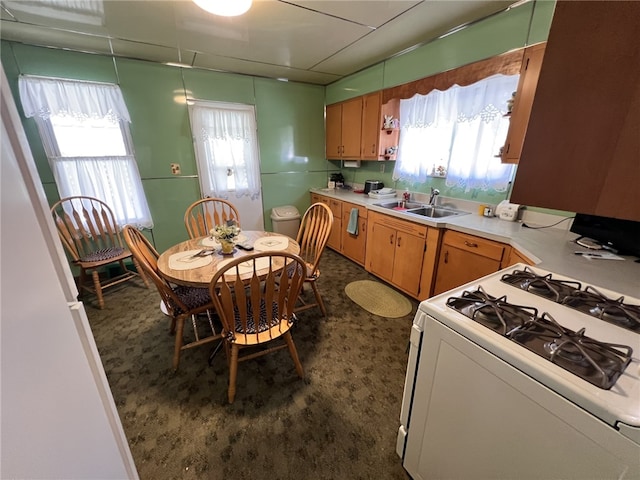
(226, 147)
(101, 162)
(44, 97)
(462, 129)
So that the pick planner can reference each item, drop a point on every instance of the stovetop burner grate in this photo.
(596, 304)
(599, 363)
(544, 285)
(570, 293)
(492, 312)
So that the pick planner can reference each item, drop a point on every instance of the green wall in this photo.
(523, 25)
(290, 128)
(290, 115)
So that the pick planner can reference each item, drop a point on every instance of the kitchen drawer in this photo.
(473, 244)
(401, 225)
(347, 207)
(336, 207)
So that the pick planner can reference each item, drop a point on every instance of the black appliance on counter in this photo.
(620, 235)
(338, 178)
(370, 185)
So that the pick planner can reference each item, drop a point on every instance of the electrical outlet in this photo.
(382, 168)
(175, 168)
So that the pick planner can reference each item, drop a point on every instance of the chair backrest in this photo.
(147, 257)
(313, 234)
(85, 225)
(255, 305)
(203, 215)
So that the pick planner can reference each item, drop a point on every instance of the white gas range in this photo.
(523, 374)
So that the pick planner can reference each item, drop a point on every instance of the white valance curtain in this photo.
(463, 129)
(85, 134)
(225, 139)
(52, 96)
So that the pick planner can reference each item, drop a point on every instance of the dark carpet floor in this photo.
(340, 422)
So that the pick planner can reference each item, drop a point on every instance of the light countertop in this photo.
(550, 248)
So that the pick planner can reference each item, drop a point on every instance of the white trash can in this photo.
(286, 220)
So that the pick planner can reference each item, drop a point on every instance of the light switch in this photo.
(175, 168)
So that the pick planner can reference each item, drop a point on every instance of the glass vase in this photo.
(226, 247)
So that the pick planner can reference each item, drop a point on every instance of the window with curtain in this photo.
(226, 145)
(459, 130)
(84, 127)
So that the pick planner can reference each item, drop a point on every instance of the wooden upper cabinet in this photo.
(370, 126)
(351, 127)
(581, 152)
(343, 129)
(519, 119)
(334, 131)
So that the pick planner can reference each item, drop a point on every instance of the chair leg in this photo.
(294, 354)
(178, 344)
(233, 372)
(81, 281)
(140, 271)
(319, 301)
(98, 288)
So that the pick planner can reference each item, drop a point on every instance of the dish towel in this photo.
(352, 228)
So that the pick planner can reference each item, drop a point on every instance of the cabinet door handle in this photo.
(446, 256)
(373, 148)
(399, 240)
(470, 244)
(391, 239)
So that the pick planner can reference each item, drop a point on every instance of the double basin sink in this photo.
(420, 209)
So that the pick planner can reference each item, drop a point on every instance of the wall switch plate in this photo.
(175, 168)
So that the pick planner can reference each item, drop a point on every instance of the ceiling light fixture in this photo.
(225, 8)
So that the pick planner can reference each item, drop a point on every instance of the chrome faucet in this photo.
(432, 198)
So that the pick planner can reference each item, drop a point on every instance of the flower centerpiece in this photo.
(225, 235)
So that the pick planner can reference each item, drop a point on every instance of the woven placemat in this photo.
(378, 299)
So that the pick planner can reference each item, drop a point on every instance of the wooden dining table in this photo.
(180, 264)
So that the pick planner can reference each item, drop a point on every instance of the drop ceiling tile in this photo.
(373, 14)
(271, 32)
(225, 64)
(150, 52)
(48, 37)
(144, 21)
(423, 23)
(5, 15)
(85, 16)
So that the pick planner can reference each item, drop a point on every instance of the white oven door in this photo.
(476, 417)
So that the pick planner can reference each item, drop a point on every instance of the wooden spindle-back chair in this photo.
(313, 234)
(91, 237)
(181, 302)
(257, 309)
(203, 215)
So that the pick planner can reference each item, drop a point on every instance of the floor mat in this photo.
(378, 299)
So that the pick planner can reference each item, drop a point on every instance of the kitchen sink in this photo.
(434, 212)
(397, 203)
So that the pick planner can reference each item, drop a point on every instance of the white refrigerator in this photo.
(57, 415)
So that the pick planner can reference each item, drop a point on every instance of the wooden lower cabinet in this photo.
(353, 246)
(464, 258)
(395, 251)
(418, 260)
(516, 257)
(335, 240)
